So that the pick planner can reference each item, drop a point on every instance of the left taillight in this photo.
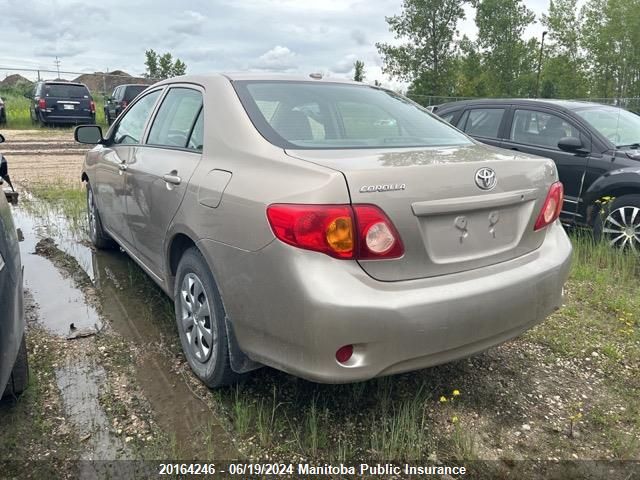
(341, 231)
(551, 207)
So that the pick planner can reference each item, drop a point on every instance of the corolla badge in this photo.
(385, 187)
(486, 178)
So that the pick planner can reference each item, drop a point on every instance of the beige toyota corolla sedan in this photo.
(333, 230)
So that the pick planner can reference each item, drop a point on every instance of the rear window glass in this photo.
(311, 115)
(66, 91)
(132, 92)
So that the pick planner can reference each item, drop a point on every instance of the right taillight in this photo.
(551, 207)
(42, 104)
(341, 231)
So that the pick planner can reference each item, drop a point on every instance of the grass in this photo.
(590, 348)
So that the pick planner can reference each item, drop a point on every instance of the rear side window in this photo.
(60, 90)
(540, 128)
(176, 118)
(131, 127)
(483, 122)
(132, 92)
(448, 117)
(197, 136)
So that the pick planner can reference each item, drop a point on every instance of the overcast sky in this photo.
(208, 35)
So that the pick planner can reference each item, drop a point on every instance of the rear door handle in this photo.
(172, 178)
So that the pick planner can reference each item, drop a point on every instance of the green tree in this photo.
(471, 78)
(359, 72)
(427, 57)
(501, 24)
(563, 71)
(179, 68)
(163, 66)
(151, 63)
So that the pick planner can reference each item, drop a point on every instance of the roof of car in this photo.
(62, 82)
(568, 104)
(258, 76)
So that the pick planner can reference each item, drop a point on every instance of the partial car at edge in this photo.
(596, 149)
(14, 371)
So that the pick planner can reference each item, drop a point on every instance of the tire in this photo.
(204, 341)
(618, 223)
(100, 239)
(19, 379)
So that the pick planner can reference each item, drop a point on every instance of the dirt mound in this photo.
(13, 80)
(104, 83)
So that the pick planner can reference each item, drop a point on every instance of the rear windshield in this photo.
(330, 115)
(132, 92)
(65, 91)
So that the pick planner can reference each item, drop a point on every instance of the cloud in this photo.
(359, 37)
(189, 23)
(278, 59)
(345, 65)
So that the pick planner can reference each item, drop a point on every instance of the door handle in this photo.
(172, 178)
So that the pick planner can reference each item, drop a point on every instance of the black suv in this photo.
(596, 149)
(120, 98)
(62, 102)
(14, 372)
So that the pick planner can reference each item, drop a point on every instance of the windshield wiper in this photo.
(631, 145)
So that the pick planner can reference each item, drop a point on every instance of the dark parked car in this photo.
(3, 113)
(596, 149)
(120, 98)
(62, 102)
(14, 372)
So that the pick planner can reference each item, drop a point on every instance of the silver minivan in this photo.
(333, 230)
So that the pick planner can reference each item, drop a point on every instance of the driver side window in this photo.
(130, 129)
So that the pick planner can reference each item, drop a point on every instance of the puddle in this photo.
(137, 310)
(79, 382)
(60, 302)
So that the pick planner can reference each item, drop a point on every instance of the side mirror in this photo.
(12, 196)
(571, 144)
(90, 134)
(1, 138)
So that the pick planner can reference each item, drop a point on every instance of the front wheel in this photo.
(618, 224)
(200, 318)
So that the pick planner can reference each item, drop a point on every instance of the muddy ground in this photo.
(109, 380)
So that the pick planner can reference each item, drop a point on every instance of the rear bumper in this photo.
(293, 309)
(72, 119)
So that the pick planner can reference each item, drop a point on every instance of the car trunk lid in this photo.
(447, 223)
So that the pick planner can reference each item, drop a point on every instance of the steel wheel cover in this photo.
(196, 318)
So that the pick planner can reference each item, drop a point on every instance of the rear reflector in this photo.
(344, 353)
(551, 207)
(341, 231)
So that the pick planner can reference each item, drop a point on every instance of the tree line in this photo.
(592, 51)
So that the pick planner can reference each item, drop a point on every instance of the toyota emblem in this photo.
(486, 178)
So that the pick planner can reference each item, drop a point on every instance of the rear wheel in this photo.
(618, 224)
(98, 236)
(20, 374)
(201, 321)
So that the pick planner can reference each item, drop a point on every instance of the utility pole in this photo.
(57, 63)
(540, 64)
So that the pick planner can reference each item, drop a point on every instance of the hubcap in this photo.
(196, 318)
(622, 228)
(91, 214)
